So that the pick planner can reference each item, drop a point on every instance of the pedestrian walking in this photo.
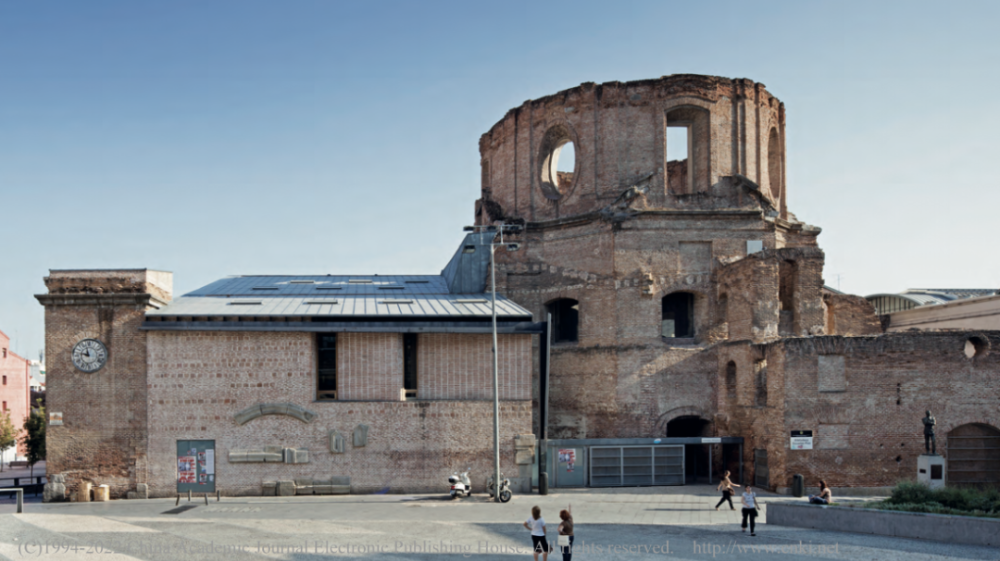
(824, 497)
(566, 533)
(749, 509)
(537, 526)
(726, 486)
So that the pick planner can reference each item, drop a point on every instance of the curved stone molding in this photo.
(260, 409)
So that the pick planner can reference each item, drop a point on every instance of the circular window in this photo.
(558, 162)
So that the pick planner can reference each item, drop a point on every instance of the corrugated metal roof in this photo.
(410, 296)
(956, 292)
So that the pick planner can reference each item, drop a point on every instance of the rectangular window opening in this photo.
(410, 364)
(326, 366)
(678, 158)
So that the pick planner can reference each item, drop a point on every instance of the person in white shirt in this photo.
(749, 509)
(537, 526)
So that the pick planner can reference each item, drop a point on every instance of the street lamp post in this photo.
(512, 228)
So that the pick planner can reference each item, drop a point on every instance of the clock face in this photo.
(90, 355)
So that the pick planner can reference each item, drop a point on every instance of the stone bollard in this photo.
(102, 494)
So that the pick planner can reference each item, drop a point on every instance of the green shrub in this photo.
(910, 496)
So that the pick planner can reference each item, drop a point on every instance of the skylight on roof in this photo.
(246, 303)
(328, 287)
(301, 282)
(390, 287)
(320, 302)
(265, 288)
(360, 281)
(417, 281)
(396, 302)
(472, 301)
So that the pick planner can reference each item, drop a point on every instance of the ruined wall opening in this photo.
(760, 382)
(774, 166)
(976, 347)
(565, 320)
(558, 162)
(787, 273)
(686, 154)
(678, 315)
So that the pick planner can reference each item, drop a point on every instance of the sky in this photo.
(252, 137)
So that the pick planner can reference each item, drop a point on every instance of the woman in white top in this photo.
(537, 526)
(749, 509)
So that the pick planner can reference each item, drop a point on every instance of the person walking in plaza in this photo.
(537, 526)
(726, 486)
(824, 497)
(749, 509)
(566, 533)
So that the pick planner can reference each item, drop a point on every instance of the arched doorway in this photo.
(974, 456)
(697, 468)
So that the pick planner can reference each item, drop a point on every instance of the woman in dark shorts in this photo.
(537, 526)
(566, 529)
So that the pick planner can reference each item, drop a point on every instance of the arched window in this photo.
(774, 166)
(678, 315)
(565, 320)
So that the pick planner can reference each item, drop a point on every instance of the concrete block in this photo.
(273, 449)
(285, 488)
(237, 456)
(303, 486)
(301, 456)
(524, 456)
(54, 492)
(340, 489)
(323, 489)
(340, 480)
(274, 457)
(360, 436)
(268, 488)
(246, 415)
(525, 441)
(255, 456)
(142, 491)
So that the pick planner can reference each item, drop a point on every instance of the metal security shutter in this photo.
(668, 465)
(605, 467)
(760, 474)
(973, 456)
(636, 466)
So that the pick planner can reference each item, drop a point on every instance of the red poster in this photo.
(186, 470)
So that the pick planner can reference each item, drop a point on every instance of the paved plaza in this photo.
(643, 523)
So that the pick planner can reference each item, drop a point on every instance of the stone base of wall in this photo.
(842, 491)
(913, 525)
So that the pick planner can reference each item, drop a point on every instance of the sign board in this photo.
(55, 419)
(716, 440)
(802, 440)
(567, 456)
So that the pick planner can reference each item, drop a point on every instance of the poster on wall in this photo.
(210, 462)
(186, 469)
(567, 456)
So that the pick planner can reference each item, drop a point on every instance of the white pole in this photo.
(496, 382)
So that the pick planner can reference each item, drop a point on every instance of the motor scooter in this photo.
(505, 493)
(461, 486)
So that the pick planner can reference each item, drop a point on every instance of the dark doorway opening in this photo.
(678, 315)
(565, 320)
(697, 463)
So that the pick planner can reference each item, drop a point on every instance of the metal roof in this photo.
(343, 296)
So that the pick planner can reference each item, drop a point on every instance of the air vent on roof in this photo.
(320, 302)
(417, 282)
(246, 303)
(396, 302)
(388, 287)
(360, 281)
(472, 301)
(328, 287)
(265, 288)
(302, 282)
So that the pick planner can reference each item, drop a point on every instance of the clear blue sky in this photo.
(237, 137)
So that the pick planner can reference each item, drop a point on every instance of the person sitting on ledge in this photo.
(824, 497)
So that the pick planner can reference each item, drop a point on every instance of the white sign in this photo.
(802, 443)
(55, 418)
(715, 440)
(210, 461)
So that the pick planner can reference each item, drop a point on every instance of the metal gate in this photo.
(760, 474)
(634, 466)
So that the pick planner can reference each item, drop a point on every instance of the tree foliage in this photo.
(34, 440)
(8, 434)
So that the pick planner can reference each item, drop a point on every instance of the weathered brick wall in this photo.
(15, 391)
(369, 366)
(199, 380)
(863, 398)
(461, 367)
(848, 314)
(618, 132)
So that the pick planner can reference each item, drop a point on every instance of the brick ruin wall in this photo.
(200, 380)
(103, 436)
(863, 398)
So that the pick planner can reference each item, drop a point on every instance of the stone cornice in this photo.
(99, 300)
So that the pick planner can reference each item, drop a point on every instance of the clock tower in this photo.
(96, 374)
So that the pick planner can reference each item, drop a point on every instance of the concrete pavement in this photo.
(643, 523)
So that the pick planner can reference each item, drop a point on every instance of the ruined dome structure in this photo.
(680, 142)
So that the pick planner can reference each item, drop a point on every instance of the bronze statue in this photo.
(929, 441)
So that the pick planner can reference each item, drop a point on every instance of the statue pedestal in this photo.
(931, 470)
